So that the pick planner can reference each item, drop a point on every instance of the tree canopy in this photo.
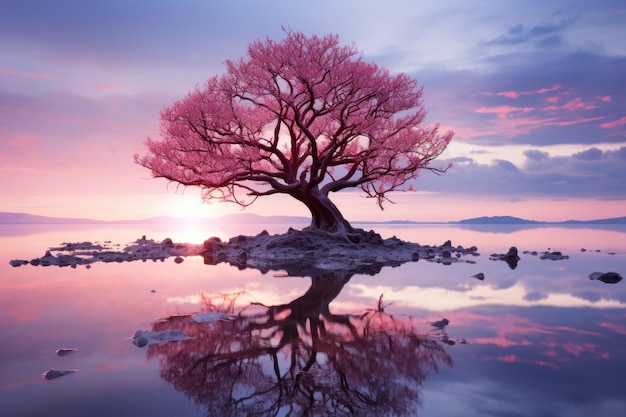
(305, 117)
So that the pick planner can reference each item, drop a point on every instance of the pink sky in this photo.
(534, 92)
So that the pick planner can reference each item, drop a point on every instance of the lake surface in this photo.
(542, 339)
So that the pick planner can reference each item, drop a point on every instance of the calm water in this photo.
(538, 340)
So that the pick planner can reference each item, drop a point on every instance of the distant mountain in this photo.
(498, 220)
(23, 218)
(615, 220)
(517, 220)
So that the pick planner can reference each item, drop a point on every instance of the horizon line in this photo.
(5, 218)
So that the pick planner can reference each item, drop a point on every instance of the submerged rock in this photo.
(607, 278)
(553, 256)
(143, 338)
(66, 351)
(17, 262)
(51, 374)
(439, 324)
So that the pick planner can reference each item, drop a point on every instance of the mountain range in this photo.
(249, 218)
(517, 220)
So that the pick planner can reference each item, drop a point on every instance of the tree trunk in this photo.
(324, 213)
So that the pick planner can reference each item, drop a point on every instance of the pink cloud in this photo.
(508, 123)
(618, 328)
(511, 330)
(514, 126)
(611, 125)
(509, 94)
(110, 87)
(547, 90)
(578, 104)
(551, 353)
(111, 367)
(21, 144)
(514, 358)
(576, 121)
(516, 94)
(503, 111)
(509, 358)
(22, 74)
(547, 108)
(576, 349)
(512, 121)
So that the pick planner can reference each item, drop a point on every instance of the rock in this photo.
(373, 237)
(511, 257)
(65, 352)
(242, 238)
(146, 338)
(209, 317)
(512, 253)
(212, 243)
(440, 324)
(607, 278)
(140, 341)
(56, 373)
(68, 260)
(298, 252)
(554, 256)
(479, 276)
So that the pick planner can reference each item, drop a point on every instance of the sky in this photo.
(535, 92)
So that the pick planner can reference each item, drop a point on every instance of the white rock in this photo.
(145, 338)
(209, 317)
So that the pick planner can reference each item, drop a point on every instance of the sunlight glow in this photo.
(190, 207)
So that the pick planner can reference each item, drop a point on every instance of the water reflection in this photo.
(545, 338)
(299, 358)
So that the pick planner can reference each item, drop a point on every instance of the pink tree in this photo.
(303, 117)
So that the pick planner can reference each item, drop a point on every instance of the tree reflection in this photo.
(299, 358)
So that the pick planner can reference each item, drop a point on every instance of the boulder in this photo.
(607, 278)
